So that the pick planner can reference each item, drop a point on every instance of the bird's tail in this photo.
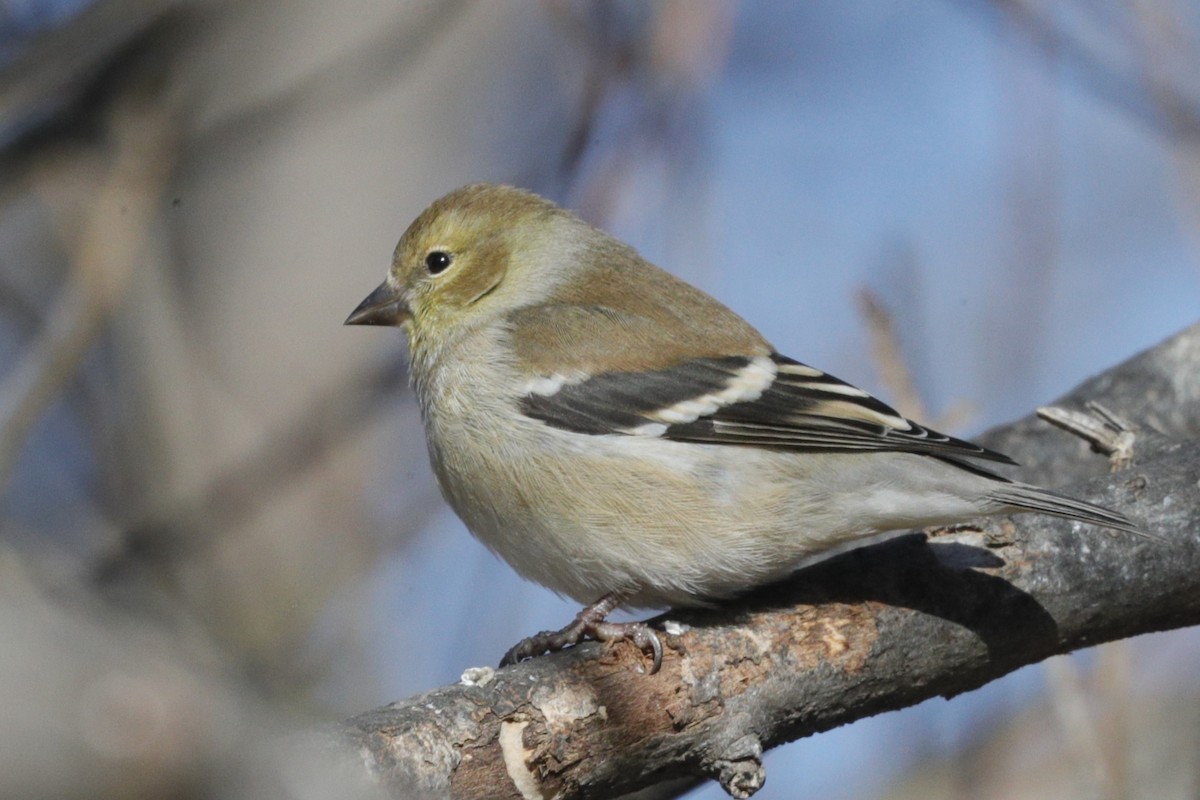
(1023, 497)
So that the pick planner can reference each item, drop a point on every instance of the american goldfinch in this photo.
(624, 439)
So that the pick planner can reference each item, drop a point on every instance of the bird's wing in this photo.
(757, 400)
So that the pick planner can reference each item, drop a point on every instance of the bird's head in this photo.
(475, 253)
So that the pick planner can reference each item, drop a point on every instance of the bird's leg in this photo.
(589, 623)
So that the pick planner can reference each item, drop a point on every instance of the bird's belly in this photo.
(658, 522)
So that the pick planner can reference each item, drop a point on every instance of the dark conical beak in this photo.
(384, 306)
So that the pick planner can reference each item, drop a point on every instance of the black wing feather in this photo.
(803, 409)
(617, 402)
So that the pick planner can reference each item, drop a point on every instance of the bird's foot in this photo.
(589, 624)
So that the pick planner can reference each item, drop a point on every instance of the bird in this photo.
(626, 440)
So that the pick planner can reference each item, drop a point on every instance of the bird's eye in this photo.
(437, 261)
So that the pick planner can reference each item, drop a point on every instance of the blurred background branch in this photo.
(104, 253)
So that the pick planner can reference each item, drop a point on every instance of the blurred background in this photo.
(216, 509)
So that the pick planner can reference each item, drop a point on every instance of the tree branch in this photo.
(874, 629)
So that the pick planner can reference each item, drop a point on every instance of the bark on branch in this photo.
(874, 629)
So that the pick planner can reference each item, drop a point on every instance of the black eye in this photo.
(437, 261)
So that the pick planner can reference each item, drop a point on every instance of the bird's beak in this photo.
(384, 306)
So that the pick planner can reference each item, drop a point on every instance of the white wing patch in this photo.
(745, 385)
(800, 370)
(548, 385)
(840, 409)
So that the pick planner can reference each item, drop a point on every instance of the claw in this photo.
(544, 642)
(652, 643)
(637, 632)
(589, 623)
